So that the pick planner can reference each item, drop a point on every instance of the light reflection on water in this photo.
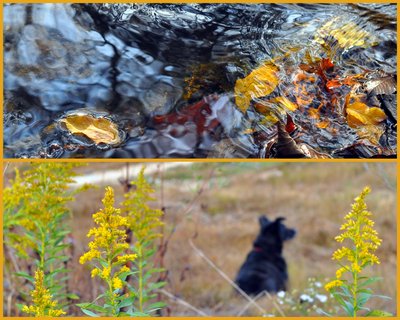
(136, 61)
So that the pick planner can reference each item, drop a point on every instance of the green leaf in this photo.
(73, 296)
(348, 307)
(89, 313)
(364, 291)
(362, 298)
(91, 306)
(338, 298)
(126, 302)
(378, 313)
(157, 285)
(381, 296)
(155, 306)
(124, 275)
(369, 281)
(324, 313)
(139, 314)
(25, 276)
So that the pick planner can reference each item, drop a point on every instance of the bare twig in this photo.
(223, 275)
(261, 294)
(182, 302)
(258, 297)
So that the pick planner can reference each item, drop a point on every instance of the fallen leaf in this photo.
(322, 124)
(259, 83)
(384, 85)
(326, 64)
(346, 35)
(359, 114)
(99, 130)
(313, 113)
(285, 102)
(281, 106)
(371, 132)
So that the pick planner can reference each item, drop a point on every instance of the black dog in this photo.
(265, 268)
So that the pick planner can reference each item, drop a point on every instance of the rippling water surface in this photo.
(165, 75)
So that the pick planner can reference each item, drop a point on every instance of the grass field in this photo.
(215, 206)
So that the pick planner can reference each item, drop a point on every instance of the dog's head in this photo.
(273, 234)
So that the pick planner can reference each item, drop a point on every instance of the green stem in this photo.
(140, 276)
(355, 275)
(111, 296)
(42, 253)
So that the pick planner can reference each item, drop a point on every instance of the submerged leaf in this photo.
(359, 114)
(259, 83)
(285, 102)
(99, 130)
(345, 34)
(371, 132)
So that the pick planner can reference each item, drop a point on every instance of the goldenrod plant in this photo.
(35, 223)
(350, 288)
(143, 222)
(107, 256)
(43, 305)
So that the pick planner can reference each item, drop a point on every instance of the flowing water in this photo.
(164, 76)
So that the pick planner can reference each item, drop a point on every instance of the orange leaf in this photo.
(326, 64)
(333, 84)
(322, 124)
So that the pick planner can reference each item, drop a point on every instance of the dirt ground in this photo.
(214, 208)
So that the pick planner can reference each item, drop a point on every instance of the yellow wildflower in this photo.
(333, 284)
(339, 272)
(142, 219)
(41, 297)
(111, 230)
(106, 251)
(105, 274)
(95, 272)
(117, 283)
(358, 231)
(126, 258)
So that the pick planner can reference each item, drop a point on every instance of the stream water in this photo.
(166, 76)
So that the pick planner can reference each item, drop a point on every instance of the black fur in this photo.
(265, 268)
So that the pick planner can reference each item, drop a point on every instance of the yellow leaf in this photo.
(99, 130)
(313, 113)
(259, 83)
(359, 114)
(371, 132)
(269, 113)
(347, 34)
(285, 102)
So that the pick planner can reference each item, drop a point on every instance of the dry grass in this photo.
(223, 222)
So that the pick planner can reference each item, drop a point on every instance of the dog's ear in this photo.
(264, 222)
(275, 228)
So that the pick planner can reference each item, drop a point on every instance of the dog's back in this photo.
(265, 268)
